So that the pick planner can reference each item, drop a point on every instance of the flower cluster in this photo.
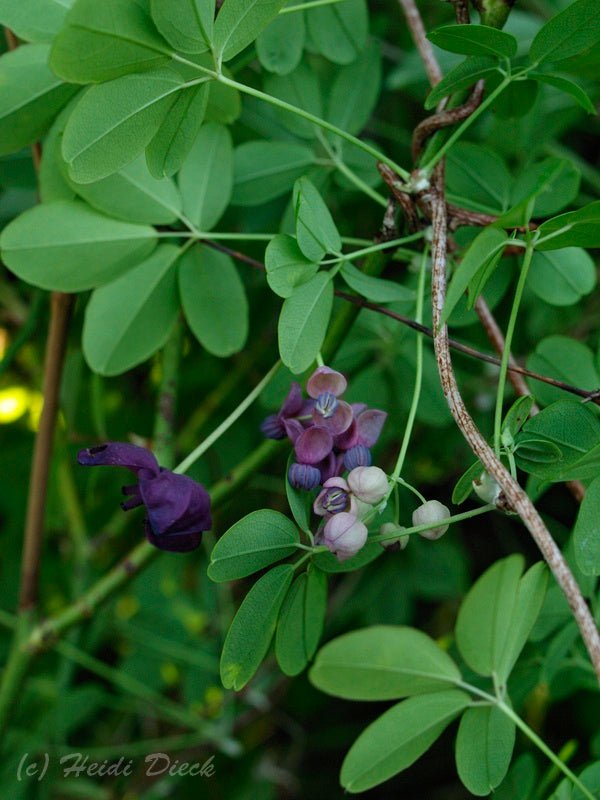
(329, 435)
(178, 507)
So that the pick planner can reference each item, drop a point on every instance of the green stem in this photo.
(375, 248)
(507, 347)
(16, 667)
(427, 527)
(339, 164)
(163, 440)
(275, 101)
(541, 745)
(418, 373)
(310, 4)
(227, 423)
(428, 168)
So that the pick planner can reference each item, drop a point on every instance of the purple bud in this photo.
(344, 535)
(304, 476)
(326, 404)
(358, 456)
(273, 427)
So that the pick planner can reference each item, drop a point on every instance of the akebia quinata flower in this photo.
(369, 484)
(178, 507)
(344, 534)
(430, 512)
(329, 435)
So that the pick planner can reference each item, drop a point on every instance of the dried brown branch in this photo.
(514, 496)
(415, 23)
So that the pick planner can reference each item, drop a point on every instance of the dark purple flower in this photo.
(304, 476)
(364, 430)
(334, 498)
(326, 380)
(178, 507)
(313, 445)
(274, 426)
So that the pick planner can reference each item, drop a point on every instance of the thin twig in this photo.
(415, 23)
(514, 496)
(61, 305)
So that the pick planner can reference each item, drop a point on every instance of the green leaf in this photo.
(517, 415)
(134, 195)
(265, 170)
(102, 41)
(129, 319)
(303, 322)
(239, 22)
(280, 45)
(31, 96)
(355, 91)
(301, 621)
(497, 615)
(383, 662)
(474, 40)
(339, 31)
(34, 20)
(206, 177)
(214, 300)
(253, 626)
(186, 24)
(178, 131)
(565, 359)
(553, 183)
(477, 178)
(286, 266)
(258, 540)
(464, 485)
(581, 228)
(114, 122)
(461, 76)
(316, 231)
(224, 102)
(586, 534)
(300, 88)
(398, 738)
(568, 87)
(69, 247)
(378, 290)
(568, 33)
(53, 178)
(484, 747)
(482, 255)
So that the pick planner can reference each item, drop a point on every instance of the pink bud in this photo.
(429, 512)
(369, 484)
(344, 535)
(399, 542)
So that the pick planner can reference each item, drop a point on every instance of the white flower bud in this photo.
(431, 511)
(486, 488)
(344, 535)
(369, 484)
(400, 542)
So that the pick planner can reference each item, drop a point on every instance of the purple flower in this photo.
(313, 445)
(304, 476)
(364, 430)
(178, 507)
(334, 498)
(344, 535)
(357, 456)
(325, 379)
(276, 425)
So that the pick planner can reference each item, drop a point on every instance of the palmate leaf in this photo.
(69, 247)
(575, 29)
(265, 170)
(484, 747)
(34, 20)
(113, 122)
(129, 319)
(287, 267)
(31, 96)
(301, 621)
(102, 41)
(339, 31)
(239, 22)
(280, 45)
(474, 40)
(185, 24)
(587, 531)
(303, 322)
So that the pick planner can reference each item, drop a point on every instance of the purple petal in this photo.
(325, 379)
(272, 427)
(369, 425)
(293, 402)
(119, 454)
(183, 542)
(349, 438)
(330, 467)
(338, 422)
(293, 428)
(303, 476)
(313, 445)
(176, 504)
(358, 408)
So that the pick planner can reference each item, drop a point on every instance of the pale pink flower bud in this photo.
(369, 484)
(344, 535)
(429, 512)
(400, 542)
(486, 488)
